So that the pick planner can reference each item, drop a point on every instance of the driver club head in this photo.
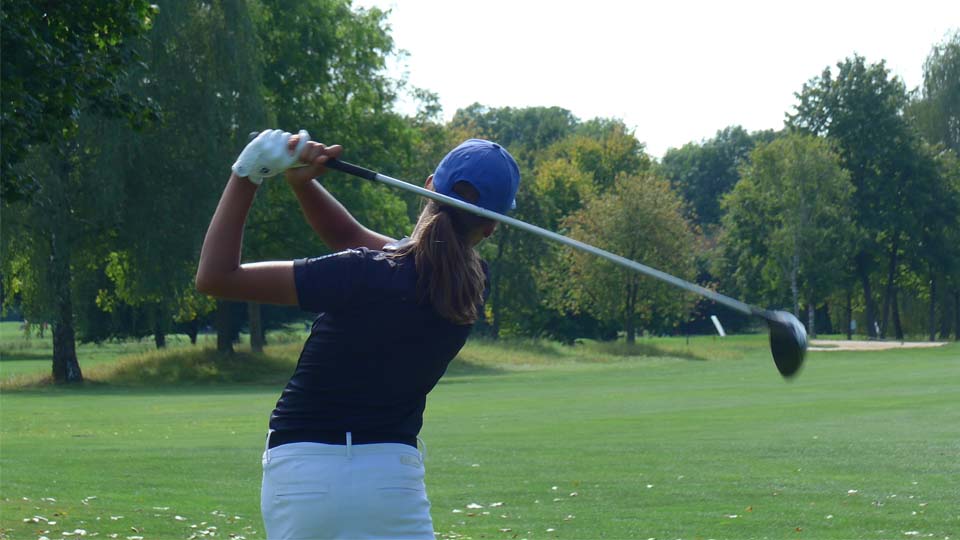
(788, 342)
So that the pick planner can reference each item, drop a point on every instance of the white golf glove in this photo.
(267, 155)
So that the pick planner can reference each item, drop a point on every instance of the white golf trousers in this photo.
(314, 491)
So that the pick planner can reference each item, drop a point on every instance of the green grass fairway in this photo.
(532, 440)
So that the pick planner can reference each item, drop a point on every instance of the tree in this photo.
(48, 244)
(936, 113)
(640, 218)
(59, 60)
(324, 69)
(861, 110)
(61, 63)
(204, 76)
(703, 173)
(786, 225)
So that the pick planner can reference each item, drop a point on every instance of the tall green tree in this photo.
(60, 60)
(61, 68)
(48, 245)
(640, 218)
(936, 113)
(860, 108)
(204, 76)
(324, 69)
(786, 226)
(704, 172)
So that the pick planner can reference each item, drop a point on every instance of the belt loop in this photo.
(266, 449)
(349, 445)
(422, 446)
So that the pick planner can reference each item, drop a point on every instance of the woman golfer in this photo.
(342, 458)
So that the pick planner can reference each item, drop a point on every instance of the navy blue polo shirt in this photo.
(373, 353)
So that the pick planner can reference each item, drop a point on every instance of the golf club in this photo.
(788, 338)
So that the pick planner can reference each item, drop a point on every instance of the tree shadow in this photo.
(462, 369)
(18, 356)
(625, 350)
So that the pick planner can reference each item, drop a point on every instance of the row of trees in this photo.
(854, 203)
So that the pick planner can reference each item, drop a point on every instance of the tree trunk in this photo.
(864, 274)
(256, 327)
(795, 289)
(496, 309)
(629, 315)
(849, 314)
(811, 320)
(956, 314)
(66, 367)
(159, 334)
(933, 307)
(193, 327)
(897, 326)
(890, 292)
(223, 320)
(159, 337)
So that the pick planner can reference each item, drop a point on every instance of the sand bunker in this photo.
(844, 345)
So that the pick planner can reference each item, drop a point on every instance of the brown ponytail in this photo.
(451, 277)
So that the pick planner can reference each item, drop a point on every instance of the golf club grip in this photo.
(350, 168)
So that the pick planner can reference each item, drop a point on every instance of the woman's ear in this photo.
(429, 183)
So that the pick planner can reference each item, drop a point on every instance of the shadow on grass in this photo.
(623, 350)
(18, 356)
(168, 370)
(460, 368)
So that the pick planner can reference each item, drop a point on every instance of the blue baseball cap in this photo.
(485, 165)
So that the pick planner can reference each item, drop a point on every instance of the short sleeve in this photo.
(328, 283)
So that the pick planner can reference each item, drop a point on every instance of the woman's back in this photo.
(373, 353)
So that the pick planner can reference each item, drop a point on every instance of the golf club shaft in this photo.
(367, 174)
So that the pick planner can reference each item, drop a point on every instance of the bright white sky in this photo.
(673, 70)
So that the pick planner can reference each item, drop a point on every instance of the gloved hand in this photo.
(267, 155)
